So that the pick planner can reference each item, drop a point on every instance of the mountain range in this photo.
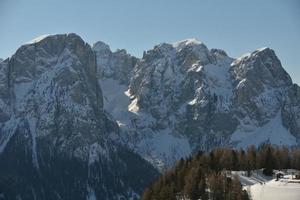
(82, 122)
(183, 97)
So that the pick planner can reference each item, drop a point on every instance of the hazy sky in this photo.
(237, 26)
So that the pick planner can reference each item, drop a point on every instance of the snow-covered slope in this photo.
(268, 188)
(56, 140)
(276, 190)
(183, 97)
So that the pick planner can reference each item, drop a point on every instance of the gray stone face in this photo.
(258, 78)
(117, 65)
(291, 110)
(168, 78)
(52, 120)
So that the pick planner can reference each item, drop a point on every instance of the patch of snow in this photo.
(117, 100)
(32, 126)
(276, 190)
(185, 42)
(273, 132)
(219, 83)
(239, 59)
(261, 187)
(262, 49)
(160, 147)
(256, 177)
(38, 39)
(193, 102)
(91, 193)
(163, 148)
(133, 106)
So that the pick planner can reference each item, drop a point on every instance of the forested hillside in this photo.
(205, 175)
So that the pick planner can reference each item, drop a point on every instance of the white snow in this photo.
(91, 193)
(276, 190)
(261, 187)
(185, 42)
(193, 102)
(273, 132)
(219, 83)
(32, 126)
(163, 148)
(38, 39)
(117, 100)
(160, 147)
(256, 177)
(262, 48)
(133, 106)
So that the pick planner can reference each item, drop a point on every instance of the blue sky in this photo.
(237, 26)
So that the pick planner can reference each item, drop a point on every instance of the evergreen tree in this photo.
(269, 161)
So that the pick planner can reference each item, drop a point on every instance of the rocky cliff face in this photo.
(56, 140)
(117, 65)
(184, 97)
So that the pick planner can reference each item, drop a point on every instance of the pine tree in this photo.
(191, 188)
(269, 161)
(251, 157)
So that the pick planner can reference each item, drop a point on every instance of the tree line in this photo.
(203, 176)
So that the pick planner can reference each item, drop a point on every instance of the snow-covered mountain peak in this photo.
(261, 67)
(255, 53)
(47, 37)
(63, 51)
(52, 119)
(186, 42)
(37, 39)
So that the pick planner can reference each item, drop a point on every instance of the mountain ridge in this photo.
(237, 97)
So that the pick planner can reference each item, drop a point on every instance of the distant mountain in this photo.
(183, 97)
(56, 140)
